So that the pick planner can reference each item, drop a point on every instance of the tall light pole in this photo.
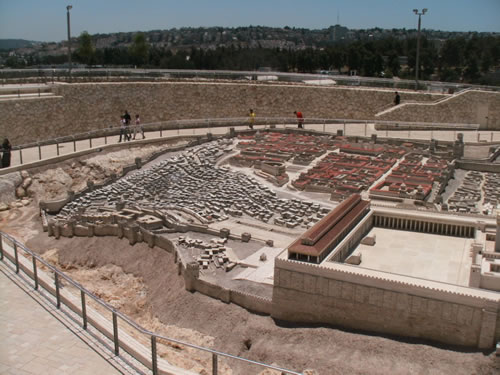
(69, 39)
(417, 65)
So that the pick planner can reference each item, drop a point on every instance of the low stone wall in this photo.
(478, 166)
(468, 107)
(83, 107)
(363, 299)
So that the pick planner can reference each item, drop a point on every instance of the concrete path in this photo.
(33, 154)
(35, 339)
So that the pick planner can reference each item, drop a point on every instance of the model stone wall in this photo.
(315, 294)
(78, 108)
(469, 107)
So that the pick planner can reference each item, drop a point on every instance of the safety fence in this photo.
(19, 257)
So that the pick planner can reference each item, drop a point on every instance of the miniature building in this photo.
(317, 243)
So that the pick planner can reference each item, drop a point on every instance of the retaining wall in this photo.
(330, 294)
(468, 107)
(83, 107)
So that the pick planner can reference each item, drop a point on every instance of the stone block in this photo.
(369, 240)
(245, 237)
(354, 258)
(224, 233)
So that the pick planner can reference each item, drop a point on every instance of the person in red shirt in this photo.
(300, 119)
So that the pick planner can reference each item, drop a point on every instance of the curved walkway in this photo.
(34, 154)
(36, 338)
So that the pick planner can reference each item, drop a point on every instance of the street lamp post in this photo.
(417, 65)
(69, 39)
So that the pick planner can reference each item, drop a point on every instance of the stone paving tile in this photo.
(32, 341)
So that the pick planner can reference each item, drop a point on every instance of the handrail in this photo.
(239, 121)
(153, 336)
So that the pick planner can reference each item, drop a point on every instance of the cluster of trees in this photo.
(456, 59)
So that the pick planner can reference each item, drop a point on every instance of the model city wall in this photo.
(346, 297)
(77, 108)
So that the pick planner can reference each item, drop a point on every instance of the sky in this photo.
(45, 20)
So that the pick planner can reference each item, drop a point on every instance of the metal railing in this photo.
(212, 123)
(109, 74)
(118, 345)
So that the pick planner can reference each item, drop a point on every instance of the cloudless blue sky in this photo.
(45, 20)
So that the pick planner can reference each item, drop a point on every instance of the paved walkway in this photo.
(33, 154)
(36, 339)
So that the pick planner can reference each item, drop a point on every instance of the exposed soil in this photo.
(143, 283)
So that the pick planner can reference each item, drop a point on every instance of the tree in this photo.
(139, 50)
(86, 50)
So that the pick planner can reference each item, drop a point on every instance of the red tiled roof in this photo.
(332, 235)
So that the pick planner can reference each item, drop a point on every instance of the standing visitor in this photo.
(300, 119)
(6, 148)
(251, 120)
(397, 98)
(138, 126)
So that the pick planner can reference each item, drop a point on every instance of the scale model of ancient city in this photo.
(393, 235)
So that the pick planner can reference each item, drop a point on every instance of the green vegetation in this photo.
(444, 56)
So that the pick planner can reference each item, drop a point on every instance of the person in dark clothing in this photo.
(127, 118)
(6, 148)
(397, 98)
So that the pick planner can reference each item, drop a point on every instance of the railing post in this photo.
(1, 247)
(84, 309)
(39, 152)
(74, 145)
(21, 156)
(154, 362)
(16, 258)
(214, 364)
(58, 294)
(366, 125)
(39, 92)
(57, 148)
(90, 140)
(324, 123)
(105, 139)
(161, 131)
(343, 132)
(115, 334)
(35, 273)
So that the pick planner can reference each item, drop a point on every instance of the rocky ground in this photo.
(143, 283)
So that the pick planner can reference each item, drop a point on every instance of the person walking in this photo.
(300, 119)
(6, 148)
(251, 119)
(123, 129)
(138, 127)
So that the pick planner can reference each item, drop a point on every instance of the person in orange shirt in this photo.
(300, 119)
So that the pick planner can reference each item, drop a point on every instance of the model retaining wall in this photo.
(315, 294)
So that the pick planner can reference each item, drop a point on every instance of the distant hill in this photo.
(14, 43)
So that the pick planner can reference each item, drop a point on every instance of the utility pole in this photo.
(69, 39)
(417, 65)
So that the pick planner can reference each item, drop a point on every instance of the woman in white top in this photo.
(138, 126)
